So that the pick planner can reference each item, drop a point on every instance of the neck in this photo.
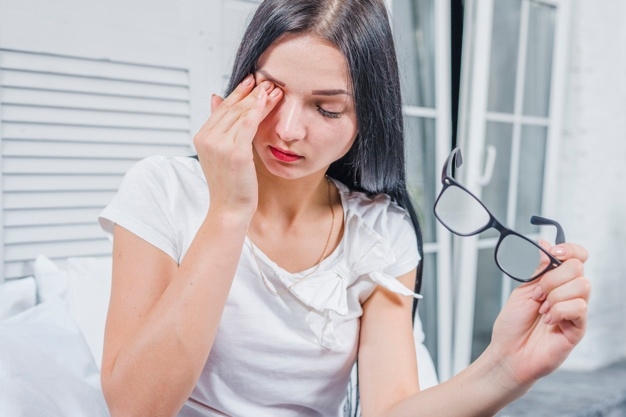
(289, 201)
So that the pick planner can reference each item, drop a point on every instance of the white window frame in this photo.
(473, 116)
(442, 246)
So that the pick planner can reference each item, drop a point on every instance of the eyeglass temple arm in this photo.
(542, 221)
(455, 156)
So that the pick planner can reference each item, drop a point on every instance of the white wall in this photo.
(592, 172)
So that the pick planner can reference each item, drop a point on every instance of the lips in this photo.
(284, 156)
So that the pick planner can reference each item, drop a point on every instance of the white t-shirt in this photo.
(280, 356)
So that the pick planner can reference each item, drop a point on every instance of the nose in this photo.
(290, 123)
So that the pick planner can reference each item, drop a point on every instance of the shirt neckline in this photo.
(326, 262)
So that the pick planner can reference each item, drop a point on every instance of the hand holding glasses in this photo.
(464, 214)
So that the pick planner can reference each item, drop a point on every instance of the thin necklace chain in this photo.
(317, 265)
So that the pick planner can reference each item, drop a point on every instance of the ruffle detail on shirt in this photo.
(326, 293)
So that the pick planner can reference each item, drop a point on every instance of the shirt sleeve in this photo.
(400, 234)
(142, 205)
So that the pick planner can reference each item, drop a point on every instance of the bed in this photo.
(51, 337)
(51, 331)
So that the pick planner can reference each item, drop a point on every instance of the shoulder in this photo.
(160, 166)
(377, 218)
(163, 174)
(378, 211)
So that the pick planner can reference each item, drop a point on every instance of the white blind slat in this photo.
(56, 82)
(111, 135)
(65, 166)
(46, 216)
(52, 233)
(26, 201)
(92, 68)
(77, 150)
(12, 183)
(42, 98)
(91, 118)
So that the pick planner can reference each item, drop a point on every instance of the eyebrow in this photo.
(330, 92)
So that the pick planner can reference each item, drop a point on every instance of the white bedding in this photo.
(50, 352)
(46, 367)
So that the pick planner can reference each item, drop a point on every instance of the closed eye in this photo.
(328, 114)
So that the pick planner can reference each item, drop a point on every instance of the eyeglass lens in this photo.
(519, 257)
(464, 215)
(461, 212)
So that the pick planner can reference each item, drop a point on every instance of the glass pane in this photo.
(420, 167)
(504, 46)
(495, 194)
(539, 59)
(414, 31)
(530, 183)
(487, 306)
(427, 307)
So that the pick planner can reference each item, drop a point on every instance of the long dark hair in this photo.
(360, 29)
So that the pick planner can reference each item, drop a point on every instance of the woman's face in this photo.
(315, 122)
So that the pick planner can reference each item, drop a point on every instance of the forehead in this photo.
(306, 60)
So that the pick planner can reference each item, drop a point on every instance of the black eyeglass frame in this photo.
(447, 180)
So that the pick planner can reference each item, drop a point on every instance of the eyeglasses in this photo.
(464, 214)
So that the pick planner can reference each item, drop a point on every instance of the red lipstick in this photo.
(284, 156)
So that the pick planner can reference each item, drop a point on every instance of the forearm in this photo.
(156, 367)
(482, 389)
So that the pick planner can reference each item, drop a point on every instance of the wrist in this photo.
(233, 216)
(235, 220)
(502, 375)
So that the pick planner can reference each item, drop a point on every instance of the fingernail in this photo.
(248, 80)
(537, 293)
(544, 308)
(275, 92)
(266, 85)
(557, 251)
(547, 318)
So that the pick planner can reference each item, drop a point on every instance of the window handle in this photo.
(490, 162)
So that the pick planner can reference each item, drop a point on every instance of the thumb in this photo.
(215, 102)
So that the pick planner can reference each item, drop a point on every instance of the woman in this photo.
(246, 282)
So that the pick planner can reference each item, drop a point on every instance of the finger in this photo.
(567, 271)
(273, 99)
(240, 92)
(215, 102)
(237, 111)
(574, 311)
(568, 251)
(248, 124)
(577, 288)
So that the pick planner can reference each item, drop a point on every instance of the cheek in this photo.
(345, 134)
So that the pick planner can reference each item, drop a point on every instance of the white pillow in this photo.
(51, 280)
(88, 294)
(17, 296)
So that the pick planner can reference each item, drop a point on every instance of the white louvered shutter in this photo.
(70, 128)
